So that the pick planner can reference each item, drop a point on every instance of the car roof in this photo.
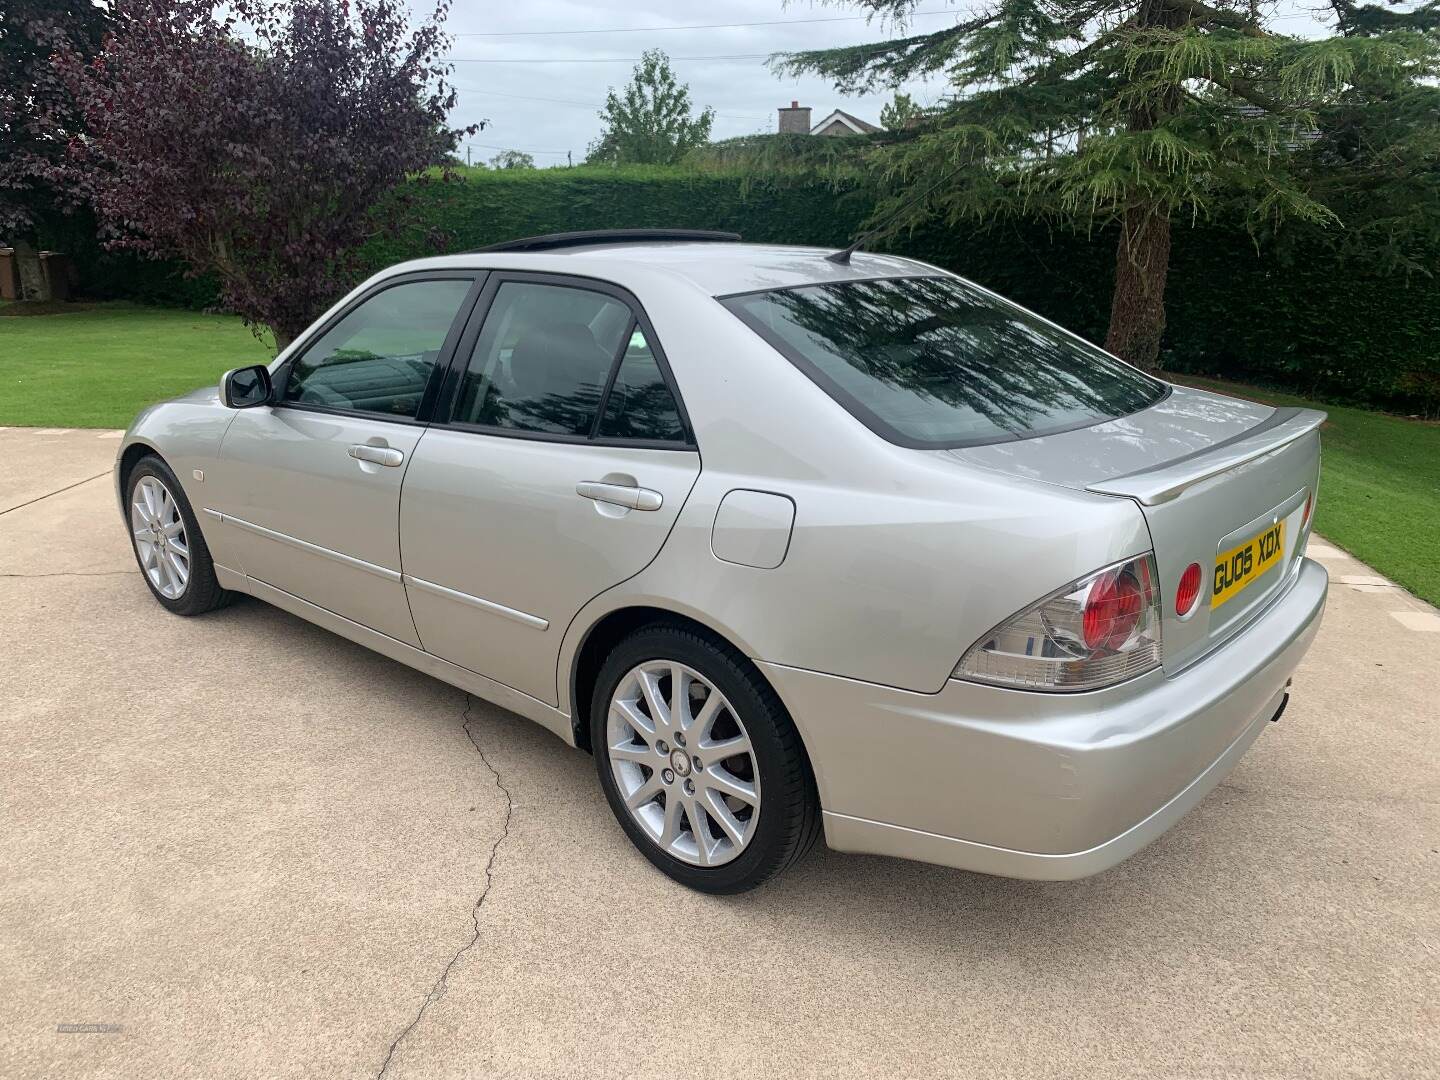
(719, 269)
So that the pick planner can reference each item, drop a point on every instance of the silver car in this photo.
(787, 539)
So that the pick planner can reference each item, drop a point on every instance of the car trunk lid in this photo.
(1221, 482)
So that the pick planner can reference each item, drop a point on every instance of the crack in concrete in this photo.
(442, 983)
(57, 491)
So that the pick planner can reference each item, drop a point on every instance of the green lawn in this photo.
(1379, 495)
(1379, 487)
(99, 366)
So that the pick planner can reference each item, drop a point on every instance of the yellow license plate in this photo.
(1238, 567)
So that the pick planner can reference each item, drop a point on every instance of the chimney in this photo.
(795, 120)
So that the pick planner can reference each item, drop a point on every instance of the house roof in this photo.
(854, 123)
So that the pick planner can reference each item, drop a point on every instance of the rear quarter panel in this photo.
(886, 586)
(899, 559)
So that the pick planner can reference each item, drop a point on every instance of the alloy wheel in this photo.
(160, 538)
(683, 763)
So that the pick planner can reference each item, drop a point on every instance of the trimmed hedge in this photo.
(1291, 314)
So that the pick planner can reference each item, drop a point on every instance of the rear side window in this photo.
(936, 362)
(380, 356)
(542, 359)
(640, 405)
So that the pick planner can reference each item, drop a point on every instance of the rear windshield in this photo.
(936, 362)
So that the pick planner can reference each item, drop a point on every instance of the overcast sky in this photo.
(509, 55)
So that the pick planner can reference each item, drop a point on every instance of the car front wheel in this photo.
(700, 762)
(168, 545)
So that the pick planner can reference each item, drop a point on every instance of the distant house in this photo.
(796, 120)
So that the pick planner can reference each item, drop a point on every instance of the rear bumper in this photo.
(1048, 786)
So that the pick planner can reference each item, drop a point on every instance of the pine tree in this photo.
(1124, 114)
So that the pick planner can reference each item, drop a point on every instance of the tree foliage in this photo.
(1124, 114)
(900, 113)
(1377, 154)
(258, 142)
(512, 159)
(649, 122)
(36, 112)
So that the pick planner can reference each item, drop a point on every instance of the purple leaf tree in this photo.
(262, 142)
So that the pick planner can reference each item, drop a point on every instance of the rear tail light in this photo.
(1188, 591)
(1094, 632)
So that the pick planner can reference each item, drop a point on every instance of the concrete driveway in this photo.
(240, 846)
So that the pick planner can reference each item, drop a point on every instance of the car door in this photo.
(309, 489)
(562, 461)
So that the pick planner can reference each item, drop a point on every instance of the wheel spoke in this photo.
(167, 578)
(178, 547)
(725, 748)
(699, 830)
(679, 697)
(630, 713)
(645, 793)
(698, 728)
(174, 529)
(179, 570)
(725, 782)
(650, 687)
(671, 830)
(720, 813)
(628, 751)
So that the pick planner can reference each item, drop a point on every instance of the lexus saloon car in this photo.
(792, 541)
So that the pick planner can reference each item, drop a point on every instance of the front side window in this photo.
(937, 362)
(380, 356)
(543, 359)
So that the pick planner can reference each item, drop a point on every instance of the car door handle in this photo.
(380, 455)
(634, 498)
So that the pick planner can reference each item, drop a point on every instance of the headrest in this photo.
(555, 357)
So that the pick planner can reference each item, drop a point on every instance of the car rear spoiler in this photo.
(1165, 482)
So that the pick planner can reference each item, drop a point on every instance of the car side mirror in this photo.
(246, 387)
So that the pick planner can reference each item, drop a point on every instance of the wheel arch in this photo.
(612, 627)
(129, 458)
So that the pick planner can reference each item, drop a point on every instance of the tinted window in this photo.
(937, 362)
(640, 405)
(379, 357)
(542, 359)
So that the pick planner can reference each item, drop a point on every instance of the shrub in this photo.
(1295, 313)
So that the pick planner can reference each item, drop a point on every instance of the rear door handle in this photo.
(380, 455)
(634, 498)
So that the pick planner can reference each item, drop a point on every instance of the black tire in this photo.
(202, 591)
(789, 812)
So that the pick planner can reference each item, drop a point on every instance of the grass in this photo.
(98, 365)
(1379, 487)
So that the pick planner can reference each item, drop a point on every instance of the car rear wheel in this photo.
(168, 545)
(701, 764)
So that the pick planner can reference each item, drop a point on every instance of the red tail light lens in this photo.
(1112, 610)
(1309, 505)
(1189, 589)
